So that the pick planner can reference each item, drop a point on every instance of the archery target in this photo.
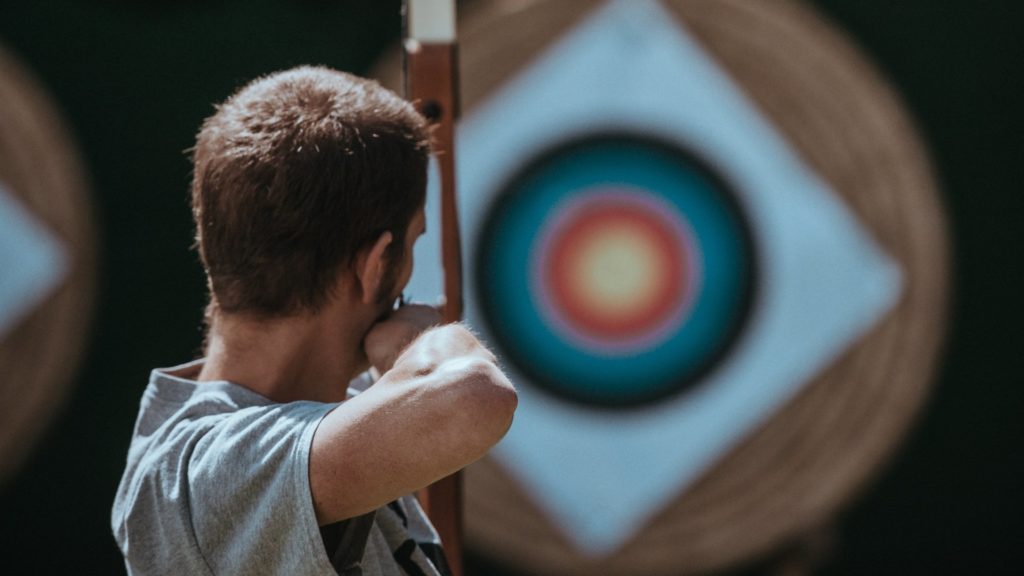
(616, 268)
(46, 262)
(846, 266)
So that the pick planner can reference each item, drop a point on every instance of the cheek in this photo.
(401, 276)
(406, 274)
(410, 264)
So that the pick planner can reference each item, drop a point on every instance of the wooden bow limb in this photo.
(431, 76)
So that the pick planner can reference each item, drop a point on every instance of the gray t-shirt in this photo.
(217, 482)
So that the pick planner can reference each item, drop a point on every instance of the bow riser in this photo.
(431, 78)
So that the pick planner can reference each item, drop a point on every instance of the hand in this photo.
(387, 338)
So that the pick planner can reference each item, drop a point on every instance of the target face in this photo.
(615, 270)
(610, 190)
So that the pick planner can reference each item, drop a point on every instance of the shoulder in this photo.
(208, 462)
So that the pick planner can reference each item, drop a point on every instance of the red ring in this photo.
(568, 294)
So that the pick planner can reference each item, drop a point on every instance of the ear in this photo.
(370, 266)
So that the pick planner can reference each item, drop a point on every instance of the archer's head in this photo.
(296, 176)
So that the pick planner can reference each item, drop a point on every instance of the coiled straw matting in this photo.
(791, 475)
(39, 355)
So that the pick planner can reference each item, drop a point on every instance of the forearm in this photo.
(442, 406)
(461, 391)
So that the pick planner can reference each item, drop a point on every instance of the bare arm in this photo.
(441, 406)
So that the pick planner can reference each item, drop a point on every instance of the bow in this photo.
(431, 83)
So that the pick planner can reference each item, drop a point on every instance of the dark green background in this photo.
(135, 79)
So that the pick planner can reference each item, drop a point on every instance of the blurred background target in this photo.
(615, 269)
(47, 262)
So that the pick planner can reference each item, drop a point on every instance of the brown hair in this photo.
(293, 175)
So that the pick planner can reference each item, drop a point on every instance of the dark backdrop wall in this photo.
(135, 79)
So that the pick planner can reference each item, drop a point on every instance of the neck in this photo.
(307, 356)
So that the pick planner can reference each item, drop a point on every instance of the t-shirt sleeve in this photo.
(249, 494)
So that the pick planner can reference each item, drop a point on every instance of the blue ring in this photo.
(579, 373)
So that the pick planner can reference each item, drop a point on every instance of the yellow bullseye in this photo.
(616, 270)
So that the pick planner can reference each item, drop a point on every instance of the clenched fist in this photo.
(387, 338)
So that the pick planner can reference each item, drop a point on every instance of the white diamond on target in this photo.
(32, 261)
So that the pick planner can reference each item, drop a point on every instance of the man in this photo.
(308, 194)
